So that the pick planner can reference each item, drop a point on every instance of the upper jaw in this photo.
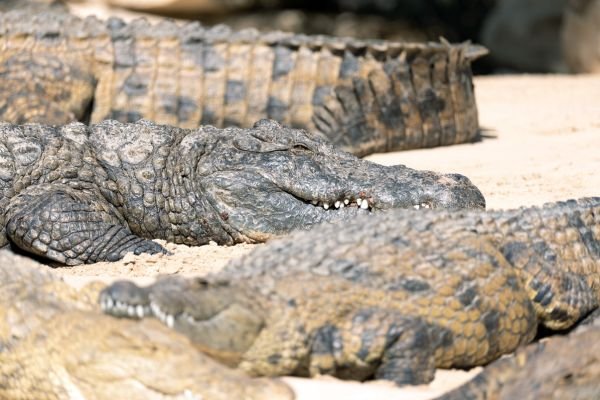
(273, 211)
(258, 207)
(385, 190)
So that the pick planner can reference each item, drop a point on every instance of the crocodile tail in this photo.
(400, 96)
(364, 96)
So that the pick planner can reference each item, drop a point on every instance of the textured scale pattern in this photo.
(560, 367)
(78, 194)
(56, 345)
(391, 296)
(365, 96)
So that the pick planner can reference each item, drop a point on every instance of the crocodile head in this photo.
(270, 180)
(216, 316)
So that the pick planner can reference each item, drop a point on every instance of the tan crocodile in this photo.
(560, 367)
(391, 296)
(365, 96)
(55, 344)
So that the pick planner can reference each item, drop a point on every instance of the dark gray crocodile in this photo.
(56, 345)
(78, 194)
(364, 96)
(391, 296)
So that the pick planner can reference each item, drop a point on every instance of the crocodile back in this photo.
(364, 96)
(397, 95)
(50, 63)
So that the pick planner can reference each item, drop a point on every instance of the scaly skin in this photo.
(391, 296)
(364, 96)
(30, 296)
(33, 6)
(55, 345)
(563, 367)
(78, 194)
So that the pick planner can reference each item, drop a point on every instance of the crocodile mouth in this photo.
(254, 206)
(137, 306)
(124, 309)
(138, 311)
(343, 202)
(359, 202)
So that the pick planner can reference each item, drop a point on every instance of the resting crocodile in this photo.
(78, 194)
(55, 344)
(562, 367)
(62, 347)
(364, 96)
(390, 296)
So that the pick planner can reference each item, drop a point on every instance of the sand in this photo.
(540, 143)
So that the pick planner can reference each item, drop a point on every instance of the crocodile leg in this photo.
(560, 296)
(377, 342)
(71, 226)
(564, 300)
(408, 358)
(560, 367)
(44, 88)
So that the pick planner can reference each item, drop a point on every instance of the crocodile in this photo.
(364, 96)
(562, 367)
(78, 194)
(390, 296)
(56, 344)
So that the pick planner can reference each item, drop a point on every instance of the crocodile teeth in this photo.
(155, 309)
(167, 319)
(107, 303)
(337, 204)
(170, 320)
(422, 205)
(139, 311)
(158, 313)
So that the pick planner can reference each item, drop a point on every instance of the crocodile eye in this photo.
(299, 147)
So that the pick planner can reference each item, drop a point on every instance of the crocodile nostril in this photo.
(459, 178)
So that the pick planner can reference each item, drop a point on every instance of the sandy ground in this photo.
(541, 142)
